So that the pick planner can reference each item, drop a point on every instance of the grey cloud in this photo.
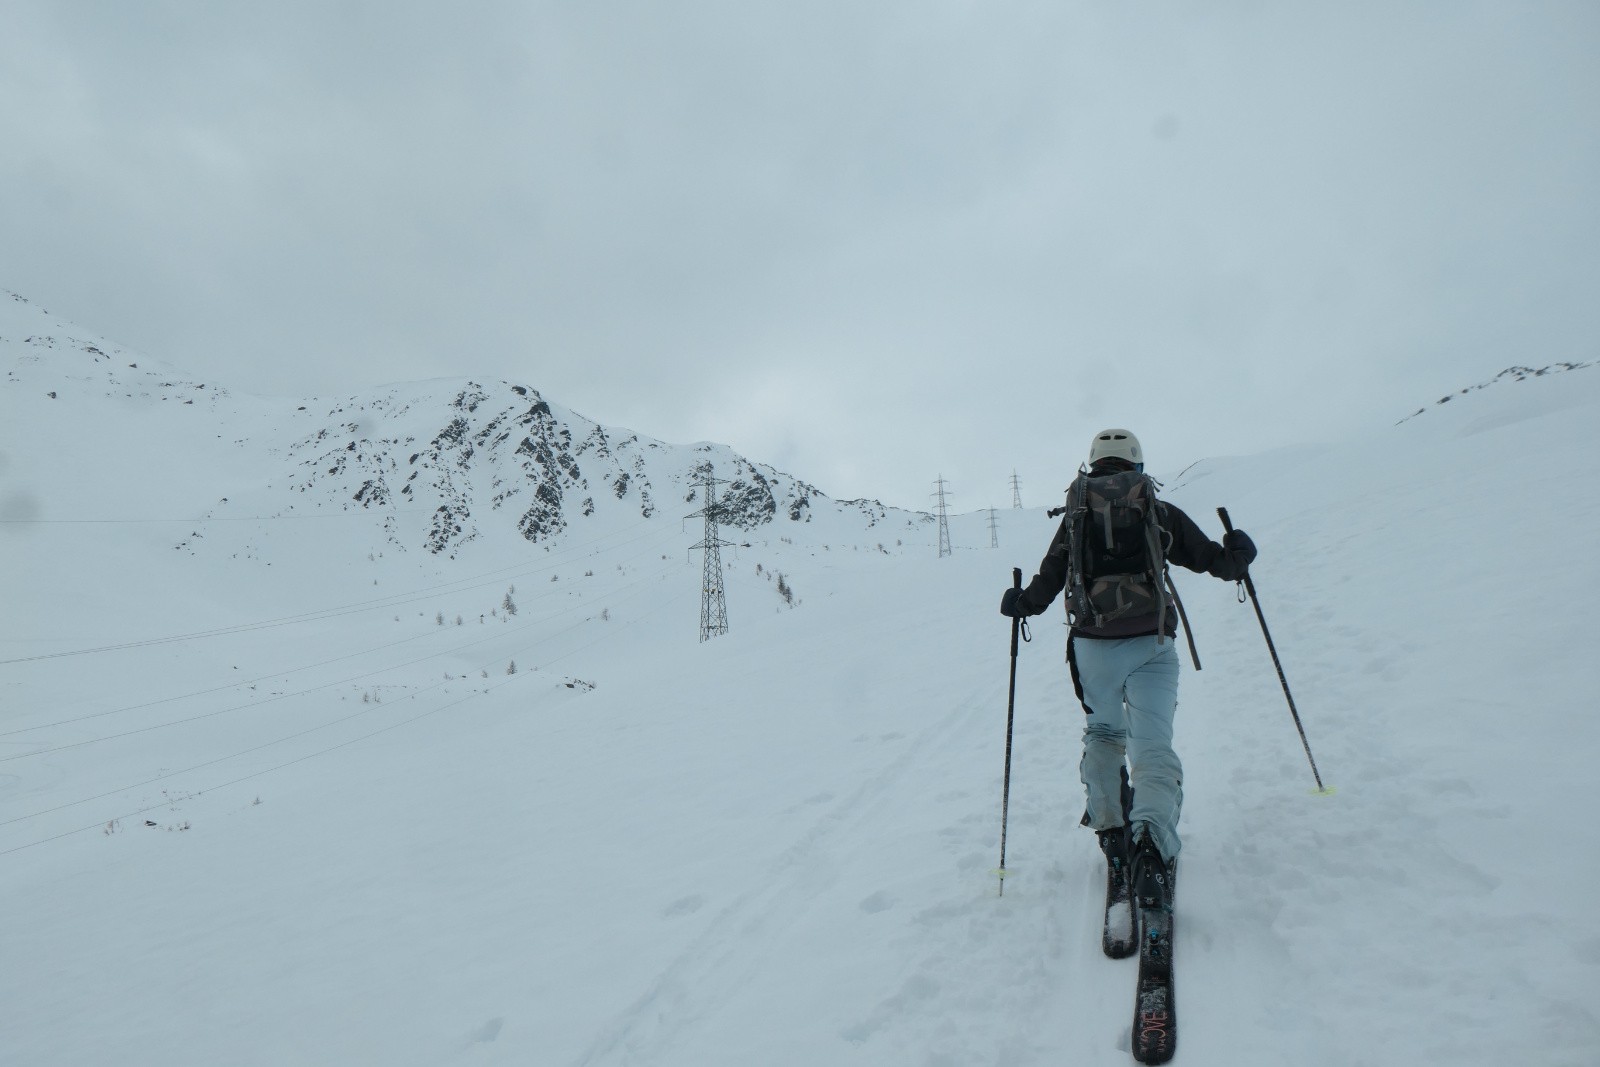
(970, 233)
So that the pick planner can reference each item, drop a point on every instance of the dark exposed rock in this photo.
(503, 456)
(1510, 374)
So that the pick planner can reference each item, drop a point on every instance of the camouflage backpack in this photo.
(1116, 551)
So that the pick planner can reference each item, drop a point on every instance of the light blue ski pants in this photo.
(1129, 689)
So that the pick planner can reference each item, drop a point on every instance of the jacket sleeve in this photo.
(1051, 579)
(1191, 548)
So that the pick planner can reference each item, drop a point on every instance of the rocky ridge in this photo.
(1510, 374)
(440, 464)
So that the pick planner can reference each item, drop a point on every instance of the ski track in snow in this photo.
(731, 949)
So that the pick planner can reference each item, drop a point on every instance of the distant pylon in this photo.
(713, 602)
(944, 520)
(1016, 490)
(994, 531)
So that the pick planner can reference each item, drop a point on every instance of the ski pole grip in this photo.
(1249, 585)
(1016, 632)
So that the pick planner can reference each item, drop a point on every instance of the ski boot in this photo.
(1114, 843)
(1151, 874)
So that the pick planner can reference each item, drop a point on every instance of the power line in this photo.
(386, 602)
(338, 611)
(713, 601)
(944, 520)
(216, 689)
(303, 733)
(285, 672)
(290, 763)
(268, 700)
(495, 635)
(179, 522)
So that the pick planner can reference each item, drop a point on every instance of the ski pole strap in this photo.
(1019, 624)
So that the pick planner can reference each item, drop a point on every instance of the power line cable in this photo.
(319, 615)
(181, 522)
(304, 692)
(633, 585)
(266, 677)
(257, 774)
(218, 689)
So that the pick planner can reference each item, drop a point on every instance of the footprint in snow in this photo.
(685, 906)
(488, 1032)
(879, 901)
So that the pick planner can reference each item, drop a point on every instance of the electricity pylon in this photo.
(713, 602)
(944, 520)
(1016, 490)
(994, 531)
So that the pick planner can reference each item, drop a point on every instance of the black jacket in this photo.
(1187, 547)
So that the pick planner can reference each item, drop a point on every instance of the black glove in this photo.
(1239, 544)
(1009, 606)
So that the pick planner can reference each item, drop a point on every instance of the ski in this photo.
(1117, 939)
(1155, 1013)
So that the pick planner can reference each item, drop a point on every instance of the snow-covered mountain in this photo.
(1505, 377)
(302, 791)
(439, 465)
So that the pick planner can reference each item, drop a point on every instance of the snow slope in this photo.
(324, 828)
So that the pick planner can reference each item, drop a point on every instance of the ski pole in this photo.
(1250, 587)
(1011, 706)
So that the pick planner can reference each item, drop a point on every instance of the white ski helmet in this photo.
(1119, 443)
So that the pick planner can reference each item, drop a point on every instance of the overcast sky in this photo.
(869, 243)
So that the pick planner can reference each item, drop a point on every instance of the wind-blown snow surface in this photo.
(323, 828)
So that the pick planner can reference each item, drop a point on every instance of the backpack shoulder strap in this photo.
(1076, 508)
(1155, 548)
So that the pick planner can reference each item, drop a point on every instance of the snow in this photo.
(779, 846)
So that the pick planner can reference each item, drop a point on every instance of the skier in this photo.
(1125, 669)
